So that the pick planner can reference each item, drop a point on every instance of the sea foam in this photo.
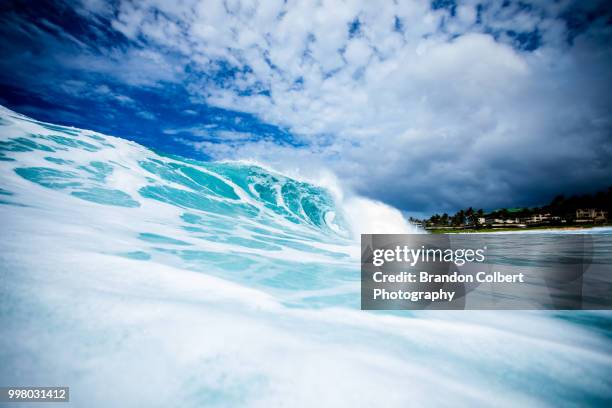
(139, 279)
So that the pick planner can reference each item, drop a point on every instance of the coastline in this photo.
(542, 228)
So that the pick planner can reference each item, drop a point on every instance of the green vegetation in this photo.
(502, 229)
(583, 211)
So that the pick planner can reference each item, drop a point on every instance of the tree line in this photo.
(560, 206)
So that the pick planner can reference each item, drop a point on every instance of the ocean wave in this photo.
(140, 279)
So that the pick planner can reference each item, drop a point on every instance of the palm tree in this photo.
(459, 218)
(471, 216)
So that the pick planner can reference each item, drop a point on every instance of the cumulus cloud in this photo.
(424, 105)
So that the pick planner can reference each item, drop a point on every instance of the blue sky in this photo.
(425, 105)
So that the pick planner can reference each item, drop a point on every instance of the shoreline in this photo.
(515, 229)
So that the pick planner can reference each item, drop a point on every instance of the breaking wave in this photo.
(140, 279)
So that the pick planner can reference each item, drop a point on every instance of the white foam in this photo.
(158, 332)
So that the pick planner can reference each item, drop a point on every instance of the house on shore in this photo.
(546, 218)
(591, 215)
(504, 223)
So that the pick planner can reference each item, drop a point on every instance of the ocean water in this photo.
(139, 279)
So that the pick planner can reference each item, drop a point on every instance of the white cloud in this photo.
(440, 100)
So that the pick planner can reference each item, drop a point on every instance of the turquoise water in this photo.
(228, 284)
